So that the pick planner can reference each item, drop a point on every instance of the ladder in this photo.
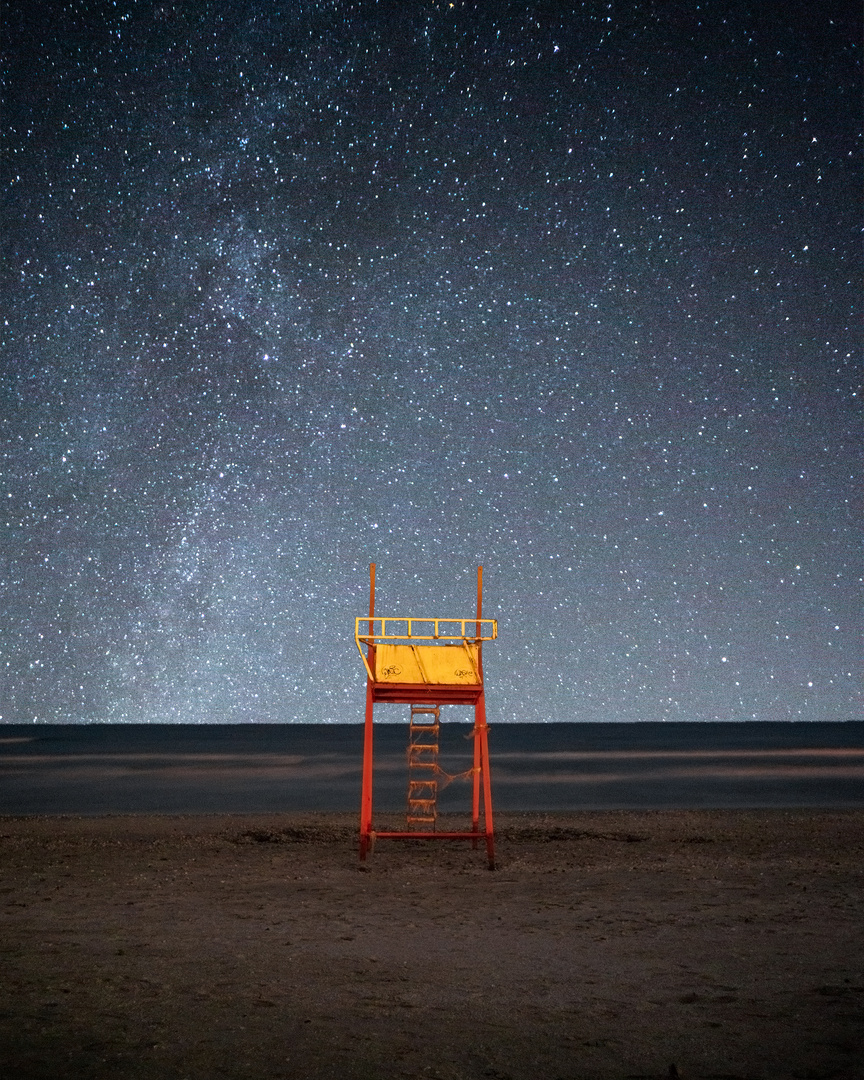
(423, 765)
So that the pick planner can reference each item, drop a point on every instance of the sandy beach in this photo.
(710, 944)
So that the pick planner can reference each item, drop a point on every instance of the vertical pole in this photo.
(479, 602)
(483, 736)
(475, 802)
(366, 795)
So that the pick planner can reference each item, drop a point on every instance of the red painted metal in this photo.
(481, 732)
(366, 795)
(426, 835)
(475, 794)
(422, 693)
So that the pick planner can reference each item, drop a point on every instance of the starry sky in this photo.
(569, 290)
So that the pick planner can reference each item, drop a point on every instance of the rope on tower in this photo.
(449, 778)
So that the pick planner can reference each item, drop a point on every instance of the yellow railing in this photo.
(479, 629)
(470, 631)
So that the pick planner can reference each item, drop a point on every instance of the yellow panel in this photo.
(396, 664)
(441, 665)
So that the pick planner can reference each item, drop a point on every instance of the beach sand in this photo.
(711, 944)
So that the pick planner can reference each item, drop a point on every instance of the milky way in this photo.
(568, 290)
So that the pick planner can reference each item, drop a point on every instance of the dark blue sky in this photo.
(566, 289)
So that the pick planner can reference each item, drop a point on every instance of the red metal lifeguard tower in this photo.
(426, 663)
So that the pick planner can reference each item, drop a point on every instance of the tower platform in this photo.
(434, 661)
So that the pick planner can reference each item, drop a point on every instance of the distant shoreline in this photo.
(170, 769)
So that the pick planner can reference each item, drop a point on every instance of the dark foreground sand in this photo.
(613, 944)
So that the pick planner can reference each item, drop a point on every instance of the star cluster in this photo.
(566, 289)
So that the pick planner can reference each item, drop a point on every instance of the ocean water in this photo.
(182, 768)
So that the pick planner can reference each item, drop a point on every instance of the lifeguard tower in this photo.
(426, 663)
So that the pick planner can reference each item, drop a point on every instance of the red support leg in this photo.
(475, 800)
(366, 793)
(366, 796)
(479, 711)
(483, 736)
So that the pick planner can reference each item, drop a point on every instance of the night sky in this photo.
(570, 290)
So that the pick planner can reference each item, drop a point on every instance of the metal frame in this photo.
(437, 694)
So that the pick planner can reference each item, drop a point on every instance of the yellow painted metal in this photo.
(438, 664)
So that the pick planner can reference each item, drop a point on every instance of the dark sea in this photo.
(183, 768)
